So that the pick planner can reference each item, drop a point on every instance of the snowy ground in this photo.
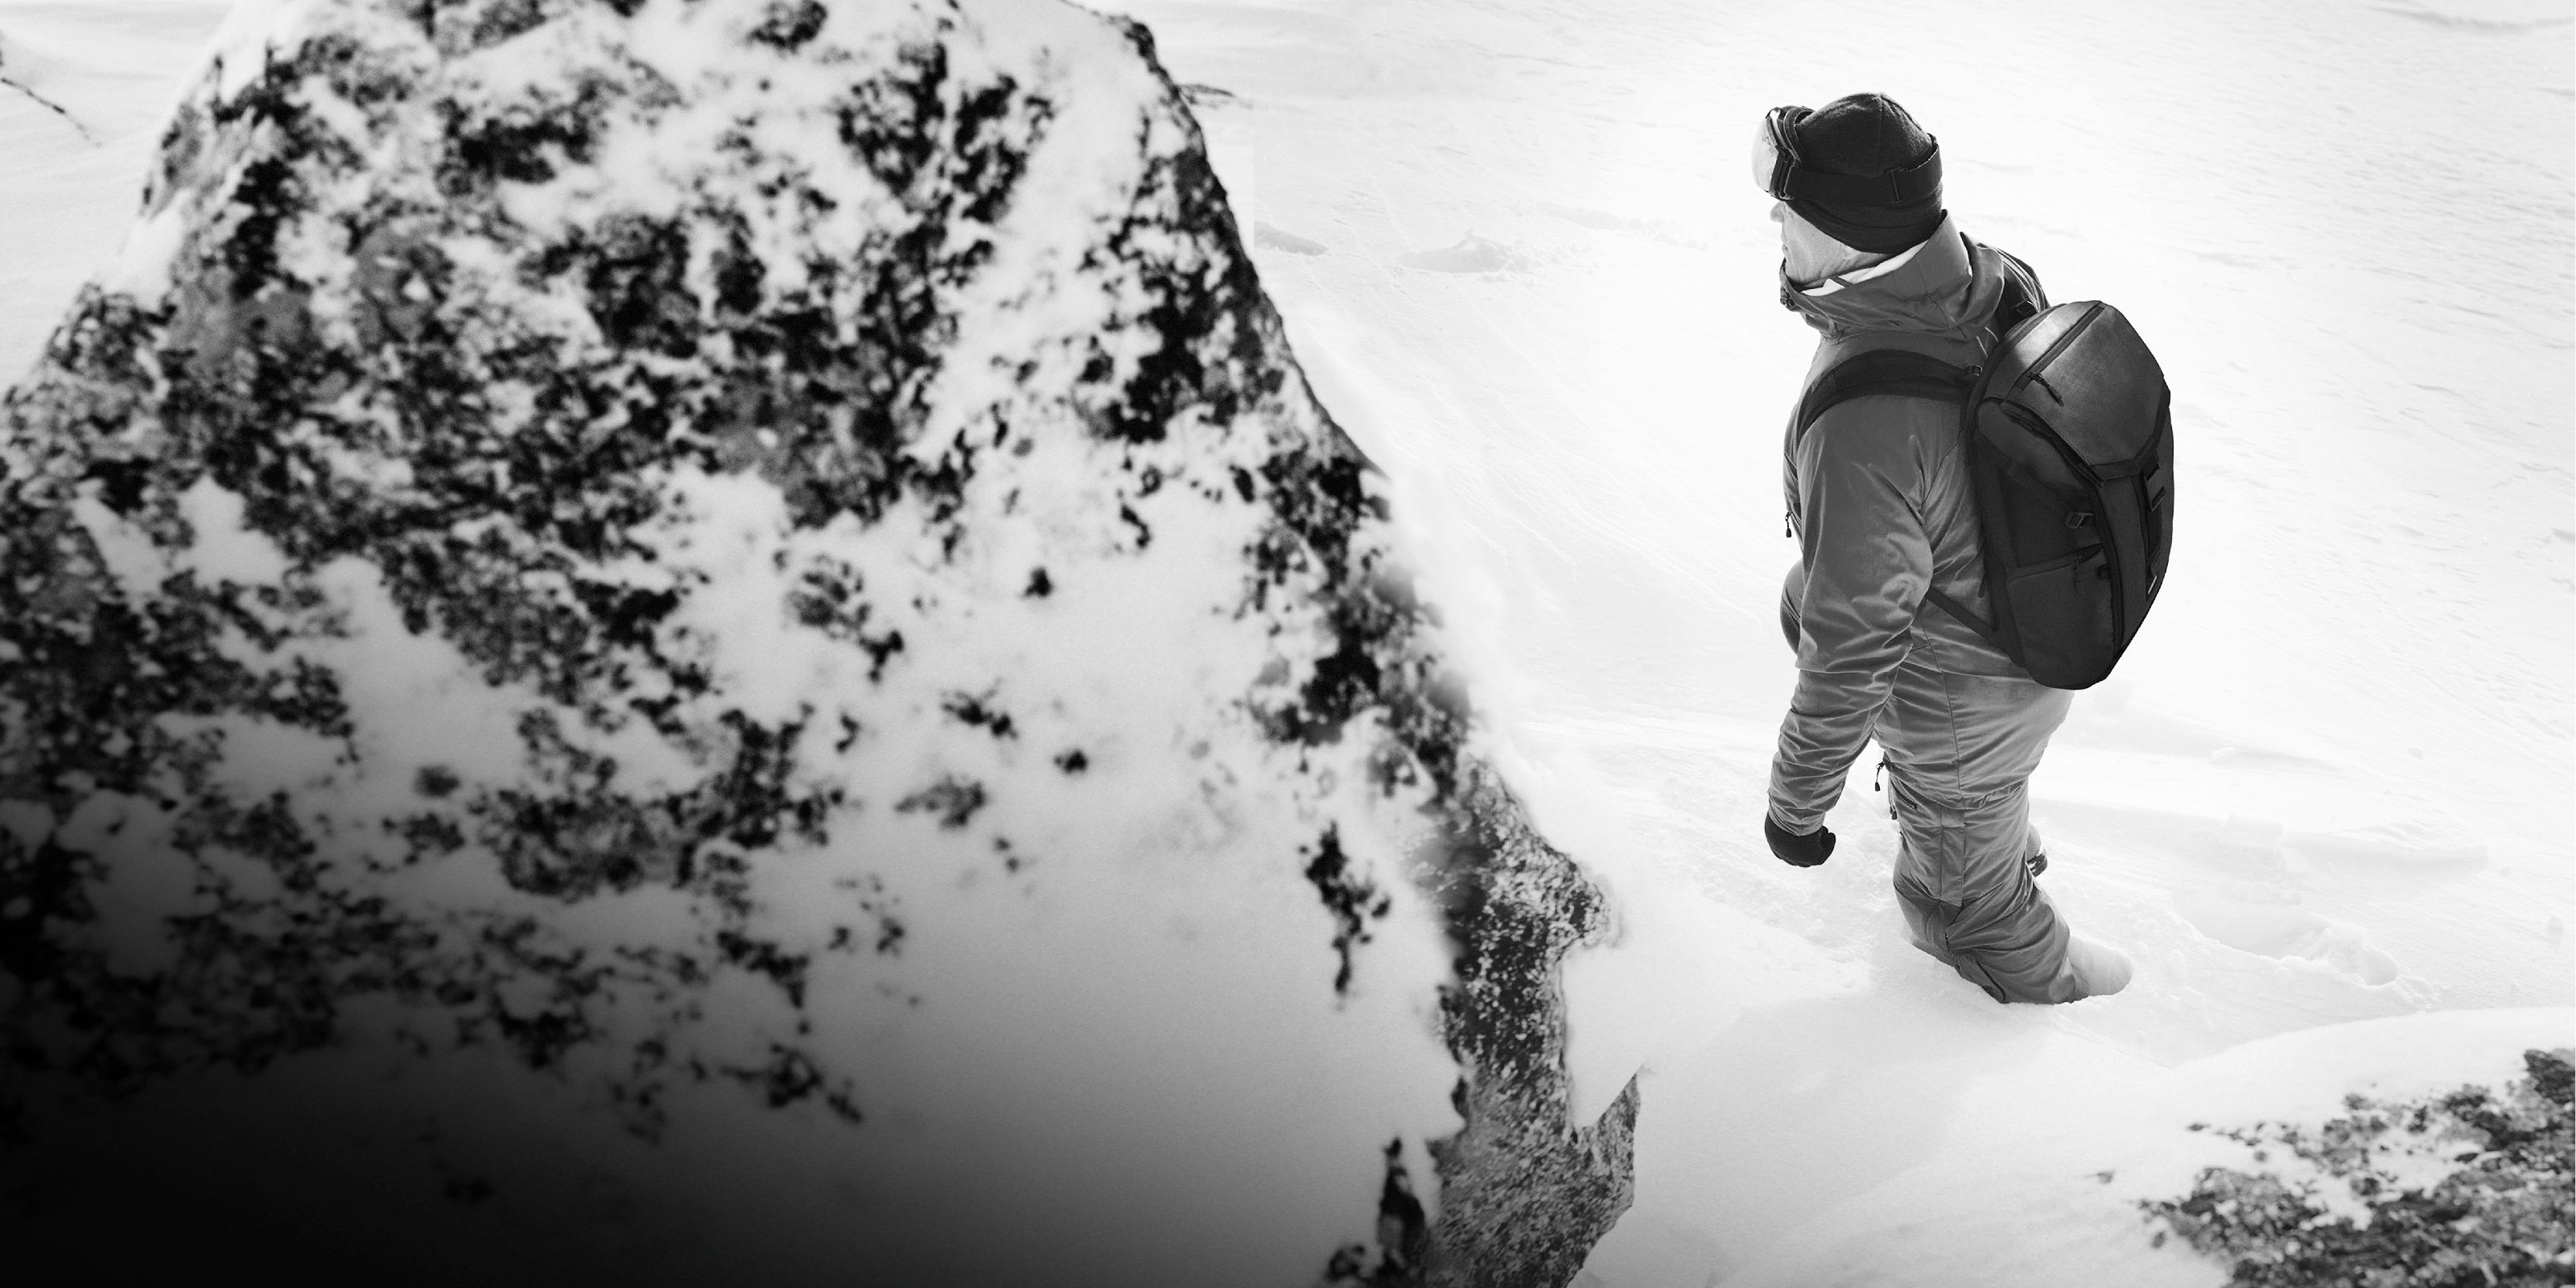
(1518, 251)
(1519, 255)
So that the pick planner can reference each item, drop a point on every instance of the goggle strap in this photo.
(1894, 188)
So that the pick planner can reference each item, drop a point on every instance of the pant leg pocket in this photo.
(2017, 940)
(1932, 925)
(1934, 841)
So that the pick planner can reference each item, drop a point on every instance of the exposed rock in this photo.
(2476, 1186)
(680, 636)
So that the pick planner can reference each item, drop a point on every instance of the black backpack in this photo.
(2068, 430)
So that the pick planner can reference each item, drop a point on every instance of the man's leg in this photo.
(1995, 926)
(1961, 750)
(1998, 930)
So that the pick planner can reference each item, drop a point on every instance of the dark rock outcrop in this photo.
(2473, 1186)
(751, 585)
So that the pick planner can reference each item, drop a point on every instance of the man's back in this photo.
(1939, 300)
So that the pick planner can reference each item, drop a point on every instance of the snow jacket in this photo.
(1879, 498)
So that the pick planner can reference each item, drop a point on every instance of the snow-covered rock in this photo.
(717, 639)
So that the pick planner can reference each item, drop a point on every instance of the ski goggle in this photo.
(1777, 170)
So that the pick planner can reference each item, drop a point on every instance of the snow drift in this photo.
(718, 640)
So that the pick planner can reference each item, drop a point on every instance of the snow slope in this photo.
(1516, 252)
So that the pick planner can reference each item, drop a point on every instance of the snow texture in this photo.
(2323, 804)
(2328, 786)
(718, 636)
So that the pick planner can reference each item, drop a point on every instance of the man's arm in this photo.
(1868, 563)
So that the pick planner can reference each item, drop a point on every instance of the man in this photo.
(1880, 500)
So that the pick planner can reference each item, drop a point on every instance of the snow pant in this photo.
(1960, 751)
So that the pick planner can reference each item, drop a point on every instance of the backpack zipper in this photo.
(2057, 347)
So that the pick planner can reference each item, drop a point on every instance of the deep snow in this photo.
(1518, 255)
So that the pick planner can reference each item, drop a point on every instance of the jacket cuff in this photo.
(1802, 812)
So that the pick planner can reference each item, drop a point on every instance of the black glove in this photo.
(1795, 850)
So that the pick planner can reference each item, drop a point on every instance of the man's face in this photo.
(1810, 253)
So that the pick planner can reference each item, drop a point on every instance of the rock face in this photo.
(716, 639)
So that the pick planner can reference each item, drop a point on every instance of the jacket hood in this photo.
(1943, 288)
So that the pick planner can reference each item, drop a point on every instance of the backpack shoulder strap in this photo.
(1906, 374)
(1898, 371)
(1883, 371)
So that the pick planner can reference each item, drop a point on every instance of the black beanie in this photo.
(1867, 134)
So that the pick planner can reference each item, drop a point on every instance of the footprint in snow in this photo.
(1602, 220)
(2421, 845)
(1474, 254)
(1269, 238)
(2510, 17)
(1655, 230)
(2287, 933)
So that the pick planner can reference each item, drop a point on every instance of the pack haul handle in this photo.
(2058, 346)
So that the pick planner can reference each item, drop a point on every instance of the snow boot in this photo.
(2099, 970)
